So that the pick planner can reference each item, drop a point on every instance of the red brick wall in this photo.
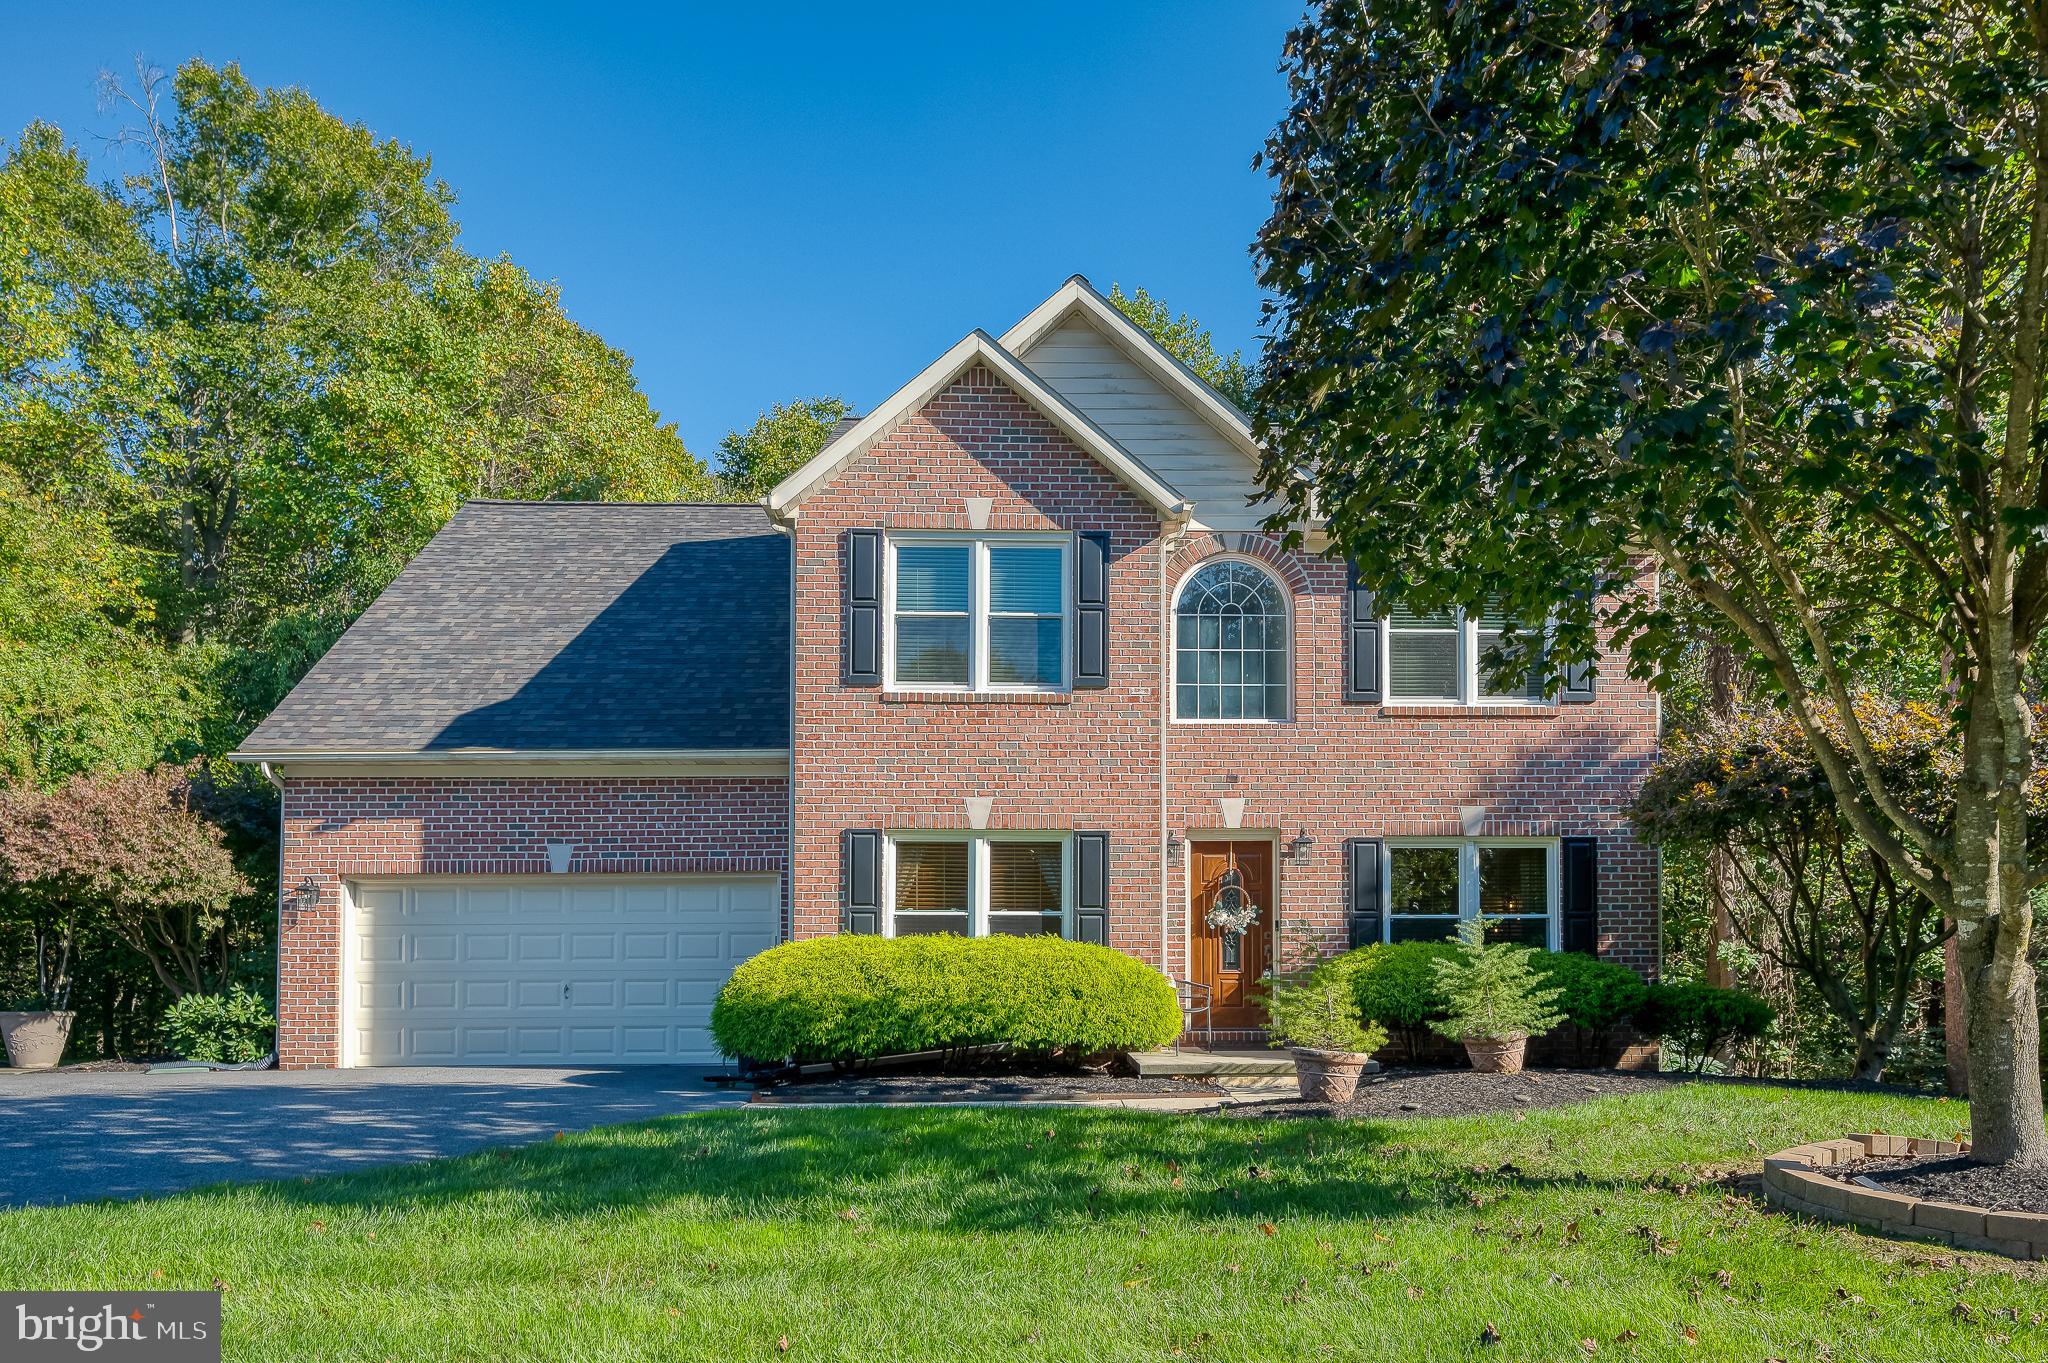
(339, 828)
(864, 758)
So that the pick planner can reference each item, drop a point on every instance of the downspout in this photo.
(1169, 544)
(277, 956)
(784, 525)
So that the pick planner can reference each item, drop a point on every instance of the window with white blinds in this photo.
(1010, 884)
(1445, 659)
(978, 614)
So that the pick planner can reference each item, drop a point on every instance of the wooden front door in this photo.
(1229, 964)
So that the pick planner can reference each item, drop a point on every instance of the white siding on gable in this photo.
(1151, 421)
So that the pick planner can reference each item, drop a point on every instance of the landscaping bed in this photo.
(1954, 1179)
(975, 1088)
(1463, 1093)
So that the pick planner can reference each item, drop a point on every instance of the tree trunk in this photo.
(1994, 924)
(1721, 883)
(2006, 1121)
(1872, 1055)
(1955, 1030)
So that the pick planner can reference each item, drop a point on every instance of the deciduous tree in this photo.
(1754, 290)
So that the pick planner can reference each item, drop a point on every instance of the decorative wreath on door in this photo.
(1231, 911)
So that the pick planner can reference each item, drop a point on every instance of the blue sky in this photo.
(764, 201)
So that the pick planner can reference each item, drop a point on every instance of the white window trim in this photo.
(1468, 669)
(977, 543)
(977, 841)
(1173, 638)
(1468, 880)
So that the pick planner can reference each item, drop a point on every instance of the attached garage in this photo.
(558, 970)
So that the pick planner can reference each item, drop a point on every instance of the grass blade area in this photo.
(1010, 1233)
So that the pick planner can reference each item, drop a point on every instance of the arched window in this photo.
(1230, 644)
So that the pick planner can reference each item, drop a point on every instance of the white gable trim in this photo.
(978, 347)
(1078, 295)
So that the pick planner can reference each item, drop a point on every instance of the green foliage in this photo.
(850, 997)
(1318, 1008)
(1184, 338)
(1747, 293)
(1802, 891)
(1699, 1020)
(1395, 982)
(1491, 990)
(782, 440)
(1595, 994)
(232, 1028)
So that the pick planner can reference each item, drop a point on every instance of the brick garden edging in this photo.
(1791, 1183)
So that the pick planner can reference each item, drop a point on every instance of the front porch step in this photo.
(1210, 1064)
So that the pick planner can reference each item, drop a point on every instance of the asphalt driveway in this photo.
(70, 1137)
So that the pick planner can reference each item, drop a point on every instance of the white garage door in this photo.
(601, 971)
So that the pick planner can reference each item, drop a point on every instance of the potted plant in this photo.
(1314, 1014)
(1496, 998)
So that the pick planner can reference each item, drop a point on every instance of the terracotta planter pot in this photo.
(35, 1041)
(1327, 1076)
(1496, 1055)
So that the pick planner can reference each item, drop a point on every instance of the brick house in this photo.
(1012, 654)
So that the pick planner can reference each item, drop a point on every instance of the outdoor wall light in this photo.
(1300, 845)
(1174, 844)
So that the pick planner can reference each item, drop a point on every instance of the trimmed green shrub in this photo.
(857, 997)
(232, 1028)
(1597, 994)
(1699, 1019)
(1396, 982)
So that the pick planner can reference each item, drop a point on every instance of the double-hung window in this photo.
(979, 886)
(1434, 884)
(1442, 659)
(982, 613)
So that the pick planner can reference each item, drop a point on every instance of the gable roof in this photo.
(1077, 295)
(565, 627)
(977, 347)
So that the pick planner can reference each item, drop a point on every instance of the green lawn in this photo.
(879, 1234)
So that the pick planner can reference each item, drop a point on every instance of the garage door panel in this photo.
(593, 946)
(530, 994)
(542, 973)
(542, 946)
(646, 994)
(644, 946)
(479, 945)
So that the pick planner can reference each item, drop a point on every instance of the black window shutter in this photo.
(1581, 877)
(860, 891)
(1362, 903)
(1578, 684)
(1361, 643)
(1091, 888)
(1091, 611)
(861, 664)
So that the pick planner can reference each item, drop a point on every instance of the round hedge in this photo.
(1597, 994)
(1395, 983)
(858, 997)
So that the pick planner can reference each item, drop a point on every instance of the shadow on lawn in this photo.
(951, 1169)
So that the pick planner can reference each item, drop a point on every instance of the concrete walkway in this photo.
(70, 1137)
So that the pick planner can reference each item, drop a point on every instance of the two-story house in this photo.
(1013, 654)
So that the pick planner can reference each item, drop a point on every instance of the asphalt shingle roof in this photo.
(537, 626)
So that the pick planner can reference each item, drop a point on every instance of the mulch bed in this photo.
(1955, 1179)
(94, 1067)
(1462, 1093)
(972, 1088)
